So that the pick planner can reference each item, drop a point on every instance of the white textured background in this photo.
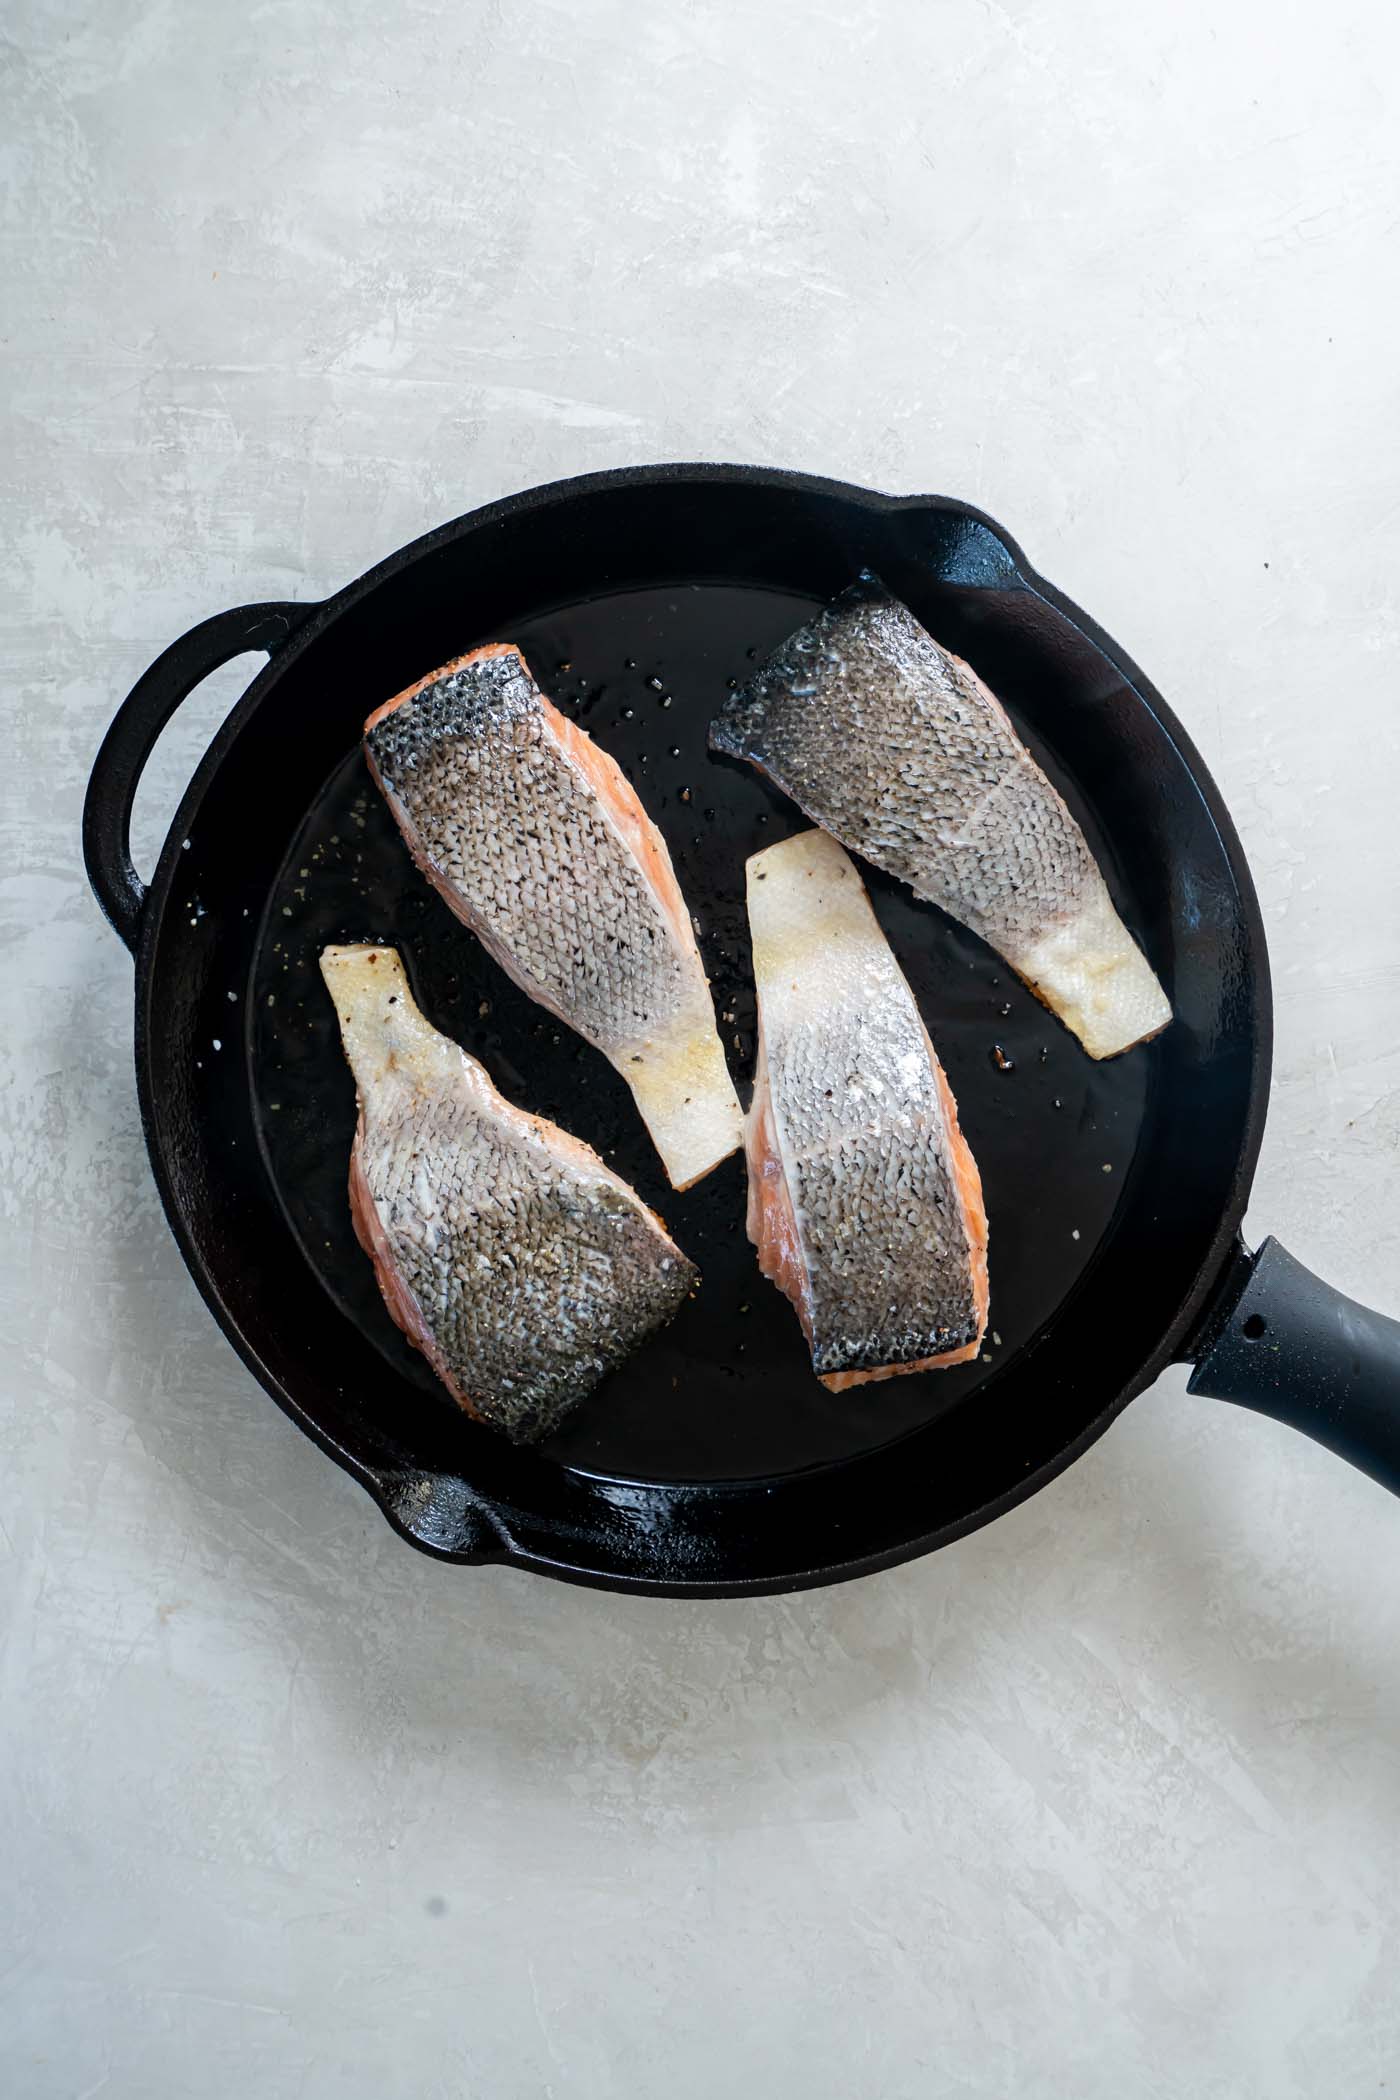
(1102, 1804)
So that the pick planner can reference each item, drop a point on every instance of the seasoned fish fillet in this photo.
(865, 1203)
(506, 1251)
(897, 749)
(537, 841)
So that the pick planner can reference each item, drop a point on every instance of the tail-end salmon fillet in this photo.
(865, 1203)
(519, 1264)
(898, 749)
(537, 841)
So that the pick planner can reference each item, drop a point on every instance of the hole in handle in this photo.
(179, 748)
(1255, 1326)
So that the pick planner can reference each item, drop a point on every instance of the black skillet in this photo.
(714, 1462)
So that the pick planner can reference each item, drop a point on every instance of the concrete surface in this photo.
(1100, 1803)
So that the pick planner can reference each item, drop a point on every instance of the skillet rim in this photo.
(494, 1543)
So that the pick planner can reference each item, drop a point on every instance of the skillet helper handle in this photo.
(120, 762)
(1290, 1346)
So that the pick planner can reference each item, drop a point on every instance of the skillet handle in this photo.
(1286, 1344)
(129, 742)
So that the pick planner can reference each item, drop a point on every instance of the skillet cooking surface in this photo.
(713, 1462)
(726, 1393)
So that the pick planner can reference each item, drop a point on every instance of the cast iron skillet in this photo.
(713, 1463)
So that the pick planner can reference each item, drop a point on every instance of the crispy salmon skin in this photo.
(865, 1203)
(896, 747)
(538, 842)
(521, 1266)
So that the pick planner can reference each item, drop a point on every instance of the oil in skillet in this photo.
(729, 1414)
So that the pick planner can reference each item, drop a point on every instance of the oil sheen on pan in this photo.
(725, 1391)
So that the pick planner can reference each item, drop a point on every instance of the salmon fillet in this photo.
(521, 1266)
(898, 749)
(865, 1203)
(537, 841)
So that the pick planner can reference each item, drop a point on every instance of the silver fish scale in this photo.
(887, 1250)
(534, 1281)
(891, 744)
(521, 836)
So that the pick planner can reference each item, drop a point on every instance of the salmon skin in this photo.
(537, 841)
(519, 1264)
(865, 1203)
(897, 748)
